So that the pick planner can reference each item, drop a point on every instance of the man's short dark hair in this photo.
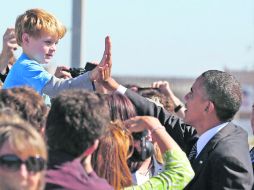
(224, 91)
(76, 119)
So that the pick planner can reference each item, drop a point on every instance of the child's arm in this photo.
(56, 85)
(101, 73)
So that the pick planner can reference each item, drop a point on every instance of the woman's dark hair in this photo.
(120, 107)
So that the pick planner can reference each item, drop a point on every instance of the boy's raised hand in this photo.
(103, 71)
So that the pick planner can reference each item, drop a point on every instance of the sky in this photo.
(154, 38)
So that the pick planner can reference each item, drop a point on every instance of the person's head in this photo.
(23, 155)
(76, 119)
(120, 107)
(215, 95)
(110, 159)
(27, 103)
(38, 32)
(157, 97)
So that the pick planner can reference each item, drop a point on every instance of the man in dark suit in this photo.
(221, 159)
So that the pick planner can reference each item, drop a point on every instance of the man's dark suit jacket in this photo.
(224, 163)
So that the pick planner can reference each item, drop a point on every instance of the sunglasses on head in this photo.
(13, 163)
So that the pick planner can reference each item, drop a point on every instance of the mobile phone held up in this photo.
(89, 66)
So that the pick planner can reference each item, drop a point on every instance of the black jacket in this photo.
(224, 163)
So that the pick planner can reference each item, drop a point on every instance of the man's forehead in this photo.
(197, 84)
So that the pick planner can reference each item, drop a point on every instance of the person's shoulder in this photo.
(230, 142)
(232, 132)
(95, 182)
(24, 60)
(236, 133)
(72, 174)
(74, 180)
(30, 63)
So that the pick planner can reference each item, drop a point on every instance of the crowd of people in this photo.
(90, 132)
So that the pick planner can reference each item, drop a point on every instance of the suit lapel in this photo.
(199, 163)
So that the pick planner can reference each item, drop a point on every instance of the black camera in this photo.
(79, 71)
(76, 71)
(147, 148)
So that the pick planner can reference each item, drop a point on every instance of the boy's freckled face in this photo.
(42, 48)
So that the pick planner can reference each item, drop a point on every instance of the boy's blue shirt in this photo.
(27, 72)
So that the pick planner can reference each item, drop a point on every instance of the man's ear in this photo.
(25, 38)
(92, 148)
(209, 107)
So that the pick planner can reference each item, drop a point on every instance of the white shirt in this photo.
(121, 89)
(138, 178)
(206, 137)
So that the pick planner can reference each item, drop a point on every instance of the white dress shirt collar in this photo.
(206, 137)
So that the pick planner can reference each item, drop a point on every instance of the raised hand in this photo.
(9, 46)
(103, 71)
(9, 42)
(164, 87)
(140, 123)
(158, 132)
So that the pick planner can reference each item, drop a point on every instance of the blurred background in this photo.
(155, 40)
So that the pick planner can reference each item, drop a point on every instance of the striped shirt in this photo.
(252, 155)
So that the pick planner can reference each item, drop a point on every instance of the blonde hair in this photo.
(23, 139)
(37, 21)
(21, 136)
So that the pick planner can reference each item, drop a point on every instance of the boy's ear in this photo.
(25, 38)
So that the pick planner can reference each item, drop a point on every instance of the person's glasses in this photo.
(13, 163)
